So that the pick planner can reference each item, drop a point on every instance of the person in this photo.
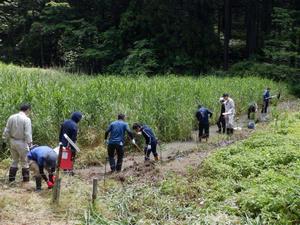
(229, 113)
(18, 133)
(266, 100)
(221, 121)
(70, 127)
(116, 132)
(252, 110)
(40, 158)
(151, 140)
(203, 115)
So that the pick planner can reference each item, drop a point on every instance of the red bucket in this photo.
(66, 162)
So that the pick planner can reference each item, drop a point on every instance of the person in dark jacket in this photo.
(151, 140)
(116, 132)
(252, 110)
(203, 115)
(266, 100)
(70, 127)
(221, 123)
(41, 158)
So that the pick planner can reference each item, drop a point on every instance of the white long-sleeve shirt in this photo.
(18, 127)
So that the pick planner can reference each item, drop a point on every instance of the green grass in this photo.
(166, 103)
(255, 181)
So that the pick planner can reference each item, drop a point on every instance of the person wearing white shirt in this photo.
(18, 133)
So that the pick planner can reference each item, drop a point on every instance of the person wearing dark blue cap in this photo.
(40, 158)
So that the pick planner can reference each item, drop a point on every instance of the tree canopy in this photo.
(149, 37)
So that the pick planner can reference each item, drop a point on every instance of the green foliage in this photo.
(271, 71)
(255, 181)
(141, 59)
(281, 48)
(154, 101)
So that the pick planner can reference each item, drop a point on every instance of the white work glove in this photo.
(133, 142)
(149, 147)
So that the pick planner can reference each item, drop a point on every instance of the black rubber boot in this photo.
(38, 183)
(12, 174)
(25, 174)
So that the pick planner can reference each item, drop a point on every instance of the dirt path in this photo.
(176, 156)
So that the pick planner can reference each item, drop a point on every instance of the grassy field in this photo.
(255, 181)
(165, 103)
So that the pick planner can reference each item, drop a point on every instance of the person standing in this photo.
(40, 158)
(151, 140)
(70, 127)
(203, 115)
(18, 132)
(116, 132)
(266, 100)
(221, 121)
(229, 113)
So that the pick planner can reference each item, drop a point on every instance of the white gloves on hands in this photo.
(133, 142)
(149, 147)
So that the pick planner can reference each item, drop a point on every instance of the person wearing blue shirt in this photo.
(40, 158)
(266, 99)
(116, 141)
(151, 141)
(203, 115)
(70, 127)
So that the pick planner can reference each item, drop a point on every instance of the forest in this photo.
(154, 36)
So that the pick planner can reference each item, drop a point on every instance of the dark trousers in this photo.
(265, 107)
(148, 152)
(203, 131)
(112, 149)
(221, 123)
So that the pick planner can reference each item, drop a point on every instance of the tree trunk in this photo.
(226, 33)
(252, 24)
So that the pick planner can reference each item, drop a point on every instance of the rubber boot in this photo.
(12, 174)
(25, 174)
(38, 183)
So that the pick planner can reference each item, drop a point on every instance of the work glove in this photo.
(133, 142)
(50, 184)
(149, 147)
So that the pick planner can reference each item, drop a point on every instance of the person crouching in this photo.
(40, 158)
(151, 140)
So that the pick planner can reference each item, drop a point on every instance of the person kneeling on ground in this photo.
(151, 141)
(40, 158)
(116, 142)
(203, 115)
